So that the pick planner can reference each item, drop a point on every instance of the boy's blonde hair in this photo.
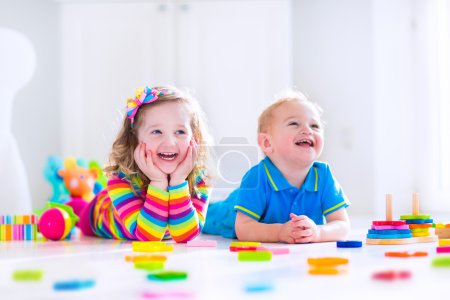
(121, 158)
(265, 118)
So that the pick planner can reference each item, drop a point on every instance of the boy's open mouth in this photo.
(167, 155)
(305, 142)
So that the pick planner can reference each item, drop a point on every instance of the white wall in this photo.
(36, 119)
(333, 66)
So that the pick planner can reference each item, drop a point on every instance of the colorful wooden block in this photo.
(254, 256)
(444, 242)
(414, 217)
(168, 276)
(425, 225)
(443, 249)
(389, 236)
(327, 261)
(274, 250)
(426, 239)
(145, 258)
(151, 247)
(441, 262)
(390, 227)
(201, 243)
(419, 221)
(349, 244)
(245, 244)
(326, 271)
(389, 223)
(405, 254)
(389, 232)
(391, 275)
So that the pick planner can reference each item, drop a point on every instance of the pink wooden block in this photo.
(201, 243)
(274, 250)
(443, 249)
(390, 227)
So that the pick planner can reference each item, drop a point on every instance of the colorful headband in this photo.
(144, 96)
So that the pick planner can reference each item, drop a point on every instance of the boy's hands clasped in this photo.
(300, 229)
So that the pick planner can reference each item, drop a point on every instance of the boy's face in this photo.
(295, 135)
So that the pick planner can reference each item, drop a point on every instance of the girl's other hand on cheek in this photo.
(186, 166)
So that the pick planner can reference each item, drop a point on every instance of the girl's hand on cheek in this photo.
(185, 167)
(143, 158)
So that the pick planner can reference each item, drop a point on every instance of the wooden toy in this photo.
(349, 244)
(27, 275)
(444, 242)
(73, 285)
(326, 271)
(388, 227)
(327, 261)
(245, 244)
(391, 275)
(442, 233)
(151, 247)
(425, 239)
(168, 276)
(201, 243)
(254, 255)
(149, 265)
(419, 232)
(243, 248)
(441, 262)
(443, 249)
(145, 258)
(274, 250)
(405, 254)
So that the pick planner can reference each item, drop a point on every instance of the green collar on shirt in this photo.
(279, 182)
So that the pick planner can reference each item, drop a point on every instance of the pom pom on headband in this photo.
(144, 96)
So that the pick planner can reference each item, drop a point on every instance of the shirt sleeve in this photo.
(251, 199)
(145, 220)
(187, 212)
(333, 197)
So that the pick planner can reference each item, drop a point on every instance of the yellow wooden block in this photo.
(151, 247)
(326, 271)
(245, 244)
(444, 242)
(415, 230)
(420, 234)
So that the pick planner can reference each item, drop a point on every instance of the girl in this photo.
(158, 185)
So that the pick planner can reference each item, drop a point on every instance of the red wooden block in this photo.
(389, 223)
(391, 275)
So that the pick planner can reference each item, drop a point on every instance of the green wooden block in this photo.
(28, 275)
(254, 255)
(414, 217)
(168, 275)
(149, 266)
(441, 262)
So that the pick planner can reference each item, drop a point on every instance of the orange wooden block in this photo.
(326, 271)
(415, 226)
(327, 261)
(405, 254)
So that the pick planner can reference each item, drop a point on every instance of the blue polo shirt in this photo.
(266, 196)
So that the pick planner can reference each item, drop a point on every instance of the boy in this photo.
(287, 195)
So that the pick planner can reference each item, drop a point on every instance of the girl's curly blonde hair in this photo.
(121, 158)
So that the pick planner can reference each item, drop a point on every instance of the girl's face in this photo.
(296, 134)
(166, 131)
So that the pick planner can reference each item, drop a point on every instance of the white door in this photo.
(107, 51)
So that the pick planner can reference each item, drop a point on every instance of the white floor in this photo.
(216, 273)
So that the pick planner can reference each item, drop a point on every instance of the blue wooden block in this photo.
(349, 244)
(417, 221)
(388, 236)
(390, 231)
